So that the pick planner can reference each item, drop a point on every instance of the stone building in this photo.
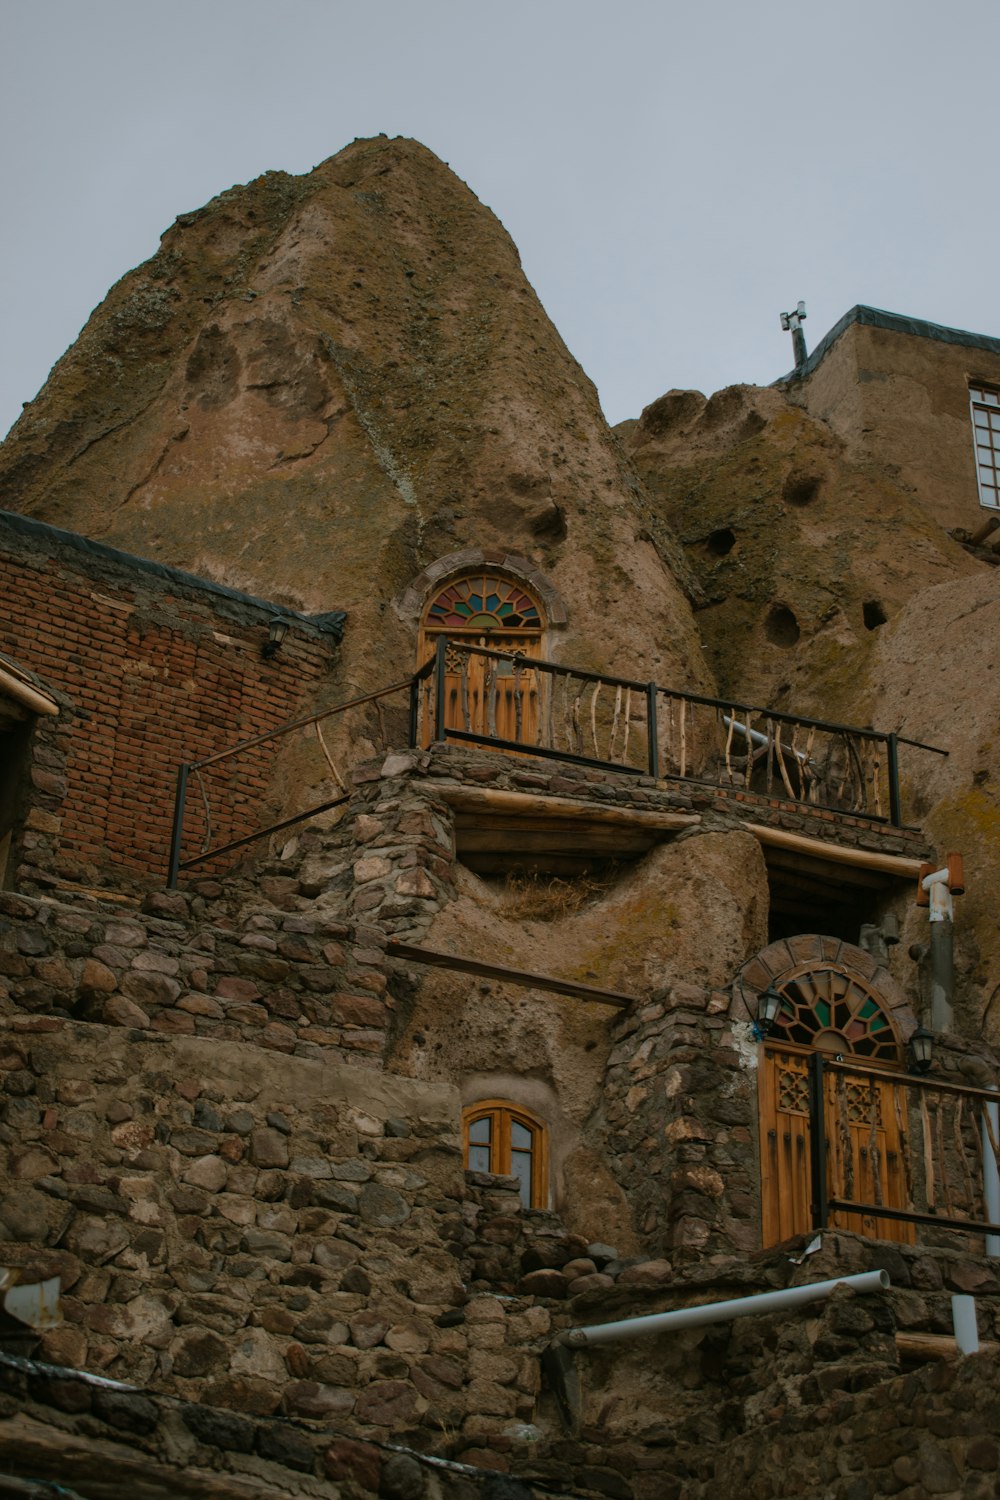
(422, 1019)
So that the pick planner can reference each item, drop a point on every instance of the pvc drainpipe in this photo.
(963, 1317)
(991, 1175)
(756, 738)
(721, 1312)
(942, 964)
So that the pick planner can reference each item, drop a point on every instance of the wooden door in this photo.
(865, 1126)
(495, 696)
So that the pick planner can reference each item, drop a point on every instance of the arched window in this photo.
(831, 1009)
(504, 1137)
(483, 602)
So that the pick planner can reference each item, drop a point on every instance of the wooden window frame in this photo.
(502, 1113)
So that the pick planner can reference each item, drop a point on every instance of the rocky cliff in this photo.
(321, 384)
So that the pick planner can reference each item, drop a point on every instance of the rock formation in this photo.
(319, 385)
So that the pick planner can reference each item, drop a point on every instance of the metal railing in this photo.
(508, 701)
(230, 788)
(902, 1148)
(503, 700)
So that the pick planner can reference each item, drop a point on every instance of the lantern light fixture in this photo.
(769, 1003)
(277, 631)
(921, 1048)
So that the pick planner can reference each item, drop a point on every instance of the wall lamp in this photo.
(769, 1003)
(921, 1050)
(277, 631)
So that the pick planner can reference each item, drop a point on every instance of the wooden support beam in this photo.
(474, 799)
(924, 1346)
(410, 953)
(863, 859)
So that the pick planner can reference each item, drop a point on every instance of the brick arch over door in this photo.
(781, 960)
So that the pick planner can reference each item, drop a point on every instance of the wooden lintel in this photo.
(839, 854)
(925, 1346)
(491, 800)
(411, 953)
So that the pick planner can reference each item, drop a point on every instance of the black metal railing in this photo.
(508, 701)
(902, 1149)
(226, 787)
(504, 700)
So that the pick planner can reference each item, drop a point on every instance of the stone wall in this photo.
(154, 668)
(680, 1118)
(294, 982)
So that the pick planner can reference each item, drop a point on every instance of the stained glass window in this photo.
(483, 602)
(833, 1011)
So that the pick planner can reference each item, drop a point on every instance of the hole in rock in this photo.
(721, 541)
(781, 627)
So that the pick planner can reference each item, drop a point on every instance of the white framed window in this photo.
(985, 406)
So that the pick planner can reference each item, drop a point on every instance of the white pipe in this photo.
(963, 1317)
(756, 738)
(991, 1175)
(942, 960)
(721, 1312)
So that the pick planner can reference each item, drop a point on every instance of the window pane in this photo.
(520, 1166)
(479, 1158)
(980, 417)
(991, 397)
(520, 1137)
(479, 1131)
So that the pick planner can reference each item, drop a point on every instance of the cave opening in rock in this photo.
(781, 627)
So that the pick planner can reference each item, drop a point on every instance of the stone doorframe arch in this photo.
(790, 956)
(409, 605)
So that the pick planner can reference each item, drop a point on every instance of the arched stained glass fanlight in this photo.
(831, 1010)
(483, 601)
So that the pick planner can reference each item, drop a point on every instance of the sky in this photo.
(674, 174)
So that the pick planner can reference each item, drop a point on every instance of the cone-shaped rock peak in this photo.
(321, 385)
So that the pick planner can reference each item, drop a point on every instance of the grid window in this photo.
(986, 435)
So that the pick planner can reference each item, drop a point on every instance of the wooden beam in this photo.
(410, 953)
(809, 873)
(924, 1346)
(490, 800)
(862, 859)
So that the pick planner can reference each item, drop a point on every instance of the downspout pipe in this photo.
(720, 1312)
(938, 889)
(991, 1174)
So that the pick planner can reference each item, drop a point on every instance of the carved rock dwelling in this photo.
(472, 879)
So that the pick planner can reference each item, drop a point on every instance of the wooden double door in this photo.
(494, 697)
(866, 1145)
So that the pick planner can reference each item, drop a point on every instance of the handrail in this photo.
(826, 1202)
(426, 689)
(175, 864)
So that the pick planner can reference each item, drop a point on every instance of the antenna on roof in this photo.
(792, 322)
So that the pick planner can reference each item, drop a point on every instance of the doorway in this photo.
(828, 1008)
(494, 696)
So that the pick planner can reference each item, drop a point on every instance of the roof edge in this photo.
(330, 622)
(877, 317)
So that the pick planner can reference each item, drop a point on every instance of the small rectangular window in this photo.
(986, 434)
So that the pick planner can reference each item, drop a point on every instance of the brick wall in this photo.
(159, 670)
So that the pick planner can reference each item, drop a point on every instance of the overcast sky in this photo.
(674, 173)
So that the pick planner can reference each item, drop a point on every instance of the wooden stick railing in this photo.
(946, 1143)
(491, 695)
